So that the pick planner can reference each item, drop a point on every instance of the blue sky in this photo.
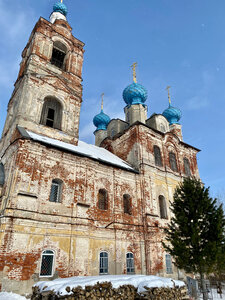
(180, 43)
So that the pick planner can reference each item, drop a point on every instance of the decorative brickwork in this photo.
(75, 228)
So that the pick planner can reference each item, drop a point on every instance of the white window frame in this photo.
(102, 262)
(53, 261)
(169, 266)
(130, 259)
(58, 183)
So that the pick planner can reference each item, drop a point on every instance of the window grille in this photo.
(103, 263)
(187, 170)
(130, 263)
(51, 113)
(57, 58)
(58, 54)
(2, 174)
(102, 199)
(169, 269)
(50, 117)
(173, 161)
(162, 207)
(47, 263)
(127, 204)
(158, 158)
(55, 194)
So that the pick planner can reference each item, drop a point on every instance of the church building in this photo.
(68, 208)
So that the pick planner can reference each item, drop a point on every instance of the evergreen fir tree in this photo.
(196, 233)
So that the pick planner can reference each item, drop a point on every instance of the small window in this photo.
(102, 199)
(130, 263)
(162, 207)
(169, 269)
(127, 204)
(58, 54)
(113, 132)
(103, 263)
(162, 128)
(56, 187)
(47, 259)
(158, 158)
(187, 170)
(2, 174)
(173, 161)
(51, 113)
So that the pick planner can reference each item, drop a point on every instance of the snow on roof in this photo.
(83, 148)
(138, 281)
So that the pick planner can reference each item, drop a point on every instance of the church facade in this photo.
(68, 208)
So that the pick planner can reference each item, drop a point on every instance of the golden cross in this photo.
(61, 1)
(133, 66)
(102, 95)
(168, 89)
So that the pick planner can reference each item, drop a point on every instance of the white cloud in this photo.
(197, 102)
(201, 99)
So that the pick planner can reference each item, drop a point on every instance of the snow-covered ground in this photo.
(139, 281)
(11, 296)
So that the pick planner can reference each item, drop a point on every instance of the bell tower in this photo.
(48, 91)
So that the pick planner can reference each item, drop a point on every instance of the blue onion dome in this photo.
(172, 114)
(60, 7)
(135, 93)
(101, 121)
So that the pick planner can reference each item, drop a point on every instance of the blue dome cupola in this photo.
(101, 120)
(172, 114)
(135, 93)
(61, 8)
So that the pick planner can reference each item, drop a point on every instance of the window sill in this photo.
(83, 204)
(27, 194)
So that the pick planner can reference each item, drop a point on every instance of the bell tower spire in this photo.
(48, 91)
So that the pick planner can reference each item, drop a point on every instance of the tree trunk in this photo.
(204, 289)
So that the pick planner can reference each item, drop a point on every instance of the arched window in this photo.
(162, 128)
(102, 199)
(162, 207)
(47, 259)
(173, 161)
(51, 113)
(2, 174)
(113, 132)
(103, 263)
(56, 190)
(127, 204)
(130, 263)
(58, 54)
(158, 158)
(187, 170)
(169, 269)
